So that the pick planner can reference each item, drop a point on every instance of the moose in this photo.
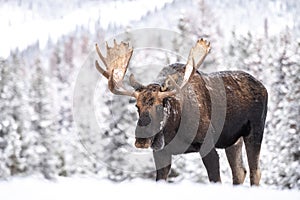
(191, 111)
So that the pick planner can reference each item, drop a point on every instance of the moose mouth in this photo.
(143, 143)
(156, 142)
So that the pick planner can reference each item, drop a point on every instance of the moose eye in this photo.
(132, 100)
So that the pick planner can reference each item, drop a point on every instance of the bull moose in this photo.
(190, 111)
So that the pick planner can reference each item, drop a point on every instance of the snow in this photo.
(23, 145)
(21, 27)
(253, 18)
(89, 188)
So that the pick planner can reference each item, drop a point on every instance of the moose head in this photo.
(150, 99)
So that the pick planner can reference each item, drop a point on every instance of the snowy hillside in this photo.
(80, 188)
(25, 17)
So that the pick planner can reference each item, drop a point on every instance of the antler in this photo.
(116, 62)
(195, 59)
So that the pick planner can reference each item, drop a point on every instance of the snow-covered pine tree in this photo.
(60, 64)
(14, 122)
(239, 50)
(9, 138)
(179, 43)
(292, 119)
(204, 24)
(281, 129)
(288, 91)
(42, 121)
(69, 51)
(73, 159)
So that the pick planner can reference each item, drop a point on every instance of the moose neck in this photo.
(172, 114)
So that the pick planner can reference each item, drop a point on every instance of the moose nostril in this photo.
(144, 119)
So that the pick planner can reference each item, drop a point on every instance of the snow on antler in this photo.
(116, 62)
(195, 59)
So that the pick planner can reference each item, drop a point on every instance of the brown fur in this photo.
(246, 107)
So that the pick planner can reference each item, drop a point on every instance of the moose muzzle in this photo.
(143, 143)
(148, 127)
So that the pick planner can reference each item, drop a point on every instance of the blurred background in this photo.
(44, 44)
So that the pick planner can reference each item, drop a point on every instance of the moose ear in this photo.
(164, 87)
(134, 83)
(167, 85)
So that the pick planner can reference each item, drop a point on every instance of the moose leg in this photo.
(212, 165)
(162, 161)
(253, 145)
(234, 157)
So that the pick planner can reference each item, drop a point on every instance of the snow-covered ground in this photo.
(83, 188)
